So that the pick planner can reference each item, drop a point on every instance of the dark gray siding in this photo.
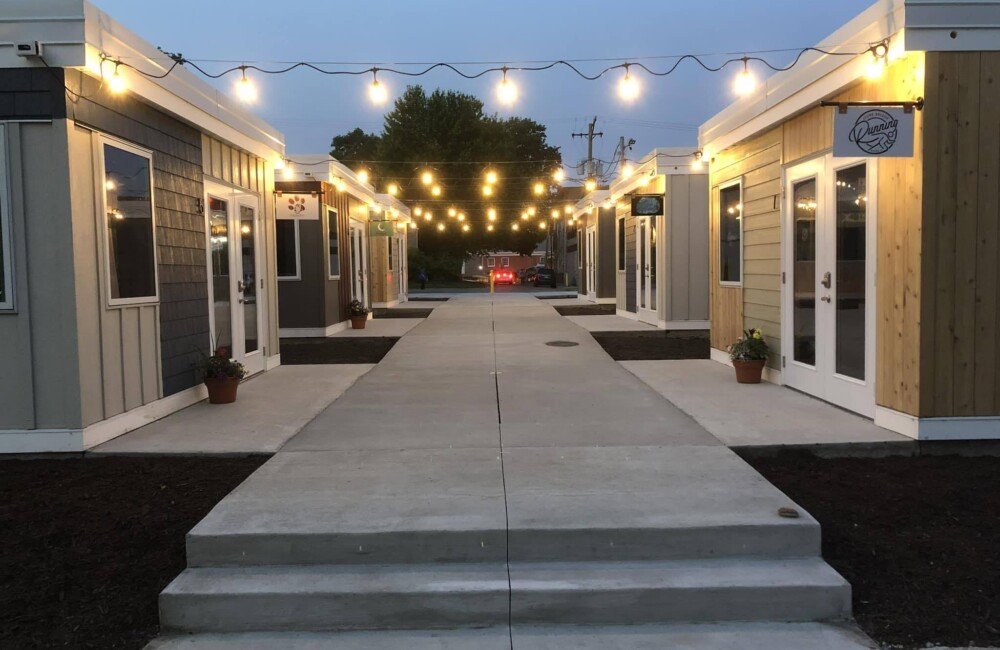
(630, 263)
(180, 231)
(606, 262)
(32, 94)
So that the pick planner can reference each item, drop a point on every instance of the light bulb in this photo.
(559, 175)
(699, 162)
(418, 211)
(393, 189)
(628, 87)
(287, 172)
(461, 217)
(506, 90)
(441, 227)
(539, 189)
(542, 225)
(436, 190)
(452, 212)
(491, 177)
(555, 214)
(363, 176)
(489, 227)
(427, 217)
(590, 185)
(487, 190)
(110, 185)
(377, 92)
(524, 216)
(515, 227)
(745, 82)
(117, 82)
(492, 214)
(531, 211)
(627, 170)
(427, 178)
(875, 69)
(413, 225)
(465, 227)
(245, 89)
(568, 209)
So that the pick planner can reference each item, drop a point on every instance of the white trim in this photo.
(101, 174)
(770, 375)
(9, 304)
(298, 253)
(685, 324)
(326, 249)
(272, 362)
(737, 182)
(945, 428)
(312, 332)
(624, 313)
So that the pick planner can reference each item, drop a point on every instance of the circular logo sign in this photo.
(875, 132)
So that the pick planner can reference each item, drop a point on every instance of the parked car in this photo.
(527, 275)
(545, 278)
(504, 276)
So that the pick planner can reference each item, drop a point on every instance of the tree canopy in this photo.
(449, 134)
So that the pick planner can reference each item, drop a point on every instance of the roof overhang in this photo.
(662, 161)
(322, 167)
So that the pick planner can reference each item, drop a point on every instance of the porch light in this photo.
(377, 92)
(559, 175)
(245, 88)
(628, 87)
(110, 185)
(506, 90)
(745, 81)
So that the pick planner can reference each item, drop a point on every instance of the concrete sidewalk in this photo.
(480, 475)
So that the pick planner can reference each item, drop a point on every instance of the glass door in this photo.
(830, 282)
(359, 263)
(234, 225)
(646, 269)
(592, 263)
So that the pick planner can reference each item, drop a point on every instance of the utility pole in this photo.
(590, 135)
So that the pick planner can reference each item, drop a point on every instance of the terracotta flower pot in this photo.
(749, 372)
(222, 390)
(359, 322)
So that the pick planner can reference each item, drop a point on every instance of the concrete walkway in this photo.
(481, 477)
(611, 323)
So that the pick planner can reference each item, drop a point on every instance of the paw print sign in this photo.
(296, 205)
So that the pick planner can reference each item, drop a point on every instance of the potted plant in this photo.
(749, 354)
(358, 314)
(222, 376)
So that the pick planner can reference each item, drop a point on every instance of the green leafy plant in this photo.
(749, 347)
(220, 366)
(356, 308)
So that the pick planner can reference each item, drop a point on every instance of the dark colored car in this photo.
(545, 278)
(527, 275)
(504, 276)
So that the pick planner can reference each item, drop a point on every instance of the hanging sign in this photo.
(873, 132)
(647, 205)
(381, 228)
(297, 206)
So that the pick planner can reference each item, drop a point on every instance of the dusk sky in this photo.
(310, 108)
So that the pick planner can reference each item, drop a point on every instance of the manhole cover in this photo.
(562, 344)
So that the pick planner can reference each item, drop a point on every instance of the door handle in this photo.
(827, 280)
(825, 299)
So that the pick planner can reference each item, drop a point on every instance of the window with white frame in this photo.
(491, 262)
(731, 234)
(129, 222)
(6, 245)
(286, 240)
(504, 261)
(333, 242)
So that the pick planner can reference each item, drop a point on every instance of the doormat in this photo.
(562, 344)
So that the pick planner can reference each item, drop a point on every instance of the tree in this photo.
(452, 127)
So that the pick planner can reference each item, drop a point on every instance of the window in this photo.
(287, 244)
(621, 244)
(6, 249)
(730, 235)
(491, 262)
(333, 242)
(392, 256)
(130, 231)
(504, 261)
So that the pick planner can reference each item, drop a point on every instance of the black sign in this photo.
(650, 205)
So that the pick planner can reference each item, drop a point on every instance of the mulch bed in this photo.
(402, 313)
(89, 543)
(918, 538)
(586, 310)
(652, 345)
(367, 349)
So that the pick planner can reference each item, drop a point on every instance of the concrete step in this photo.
(725, 636)
(332, 598)
(781, 538)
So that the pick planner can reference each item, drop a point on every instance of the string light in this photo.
(440, 227)
(568, 209)
(876, 67)
(492, 214)
(556, 214)
(452, 212)
(465, 227)
(514, 226)
(245, 88)
(745, 81)
(393, 189)
(628, 87)
(461, 217)
(287, 172)
(377, 92)
(542, 225)
(489, 227)
(418, 211)
(590, 185)
(117, 82)
(491, 177)
(428, 217)
(487, 190)
(539, 189)
(524, 216)
(363, 175)
(506, 90)
(559, 175)
(699, 161)
(436, 190)
(627, 170)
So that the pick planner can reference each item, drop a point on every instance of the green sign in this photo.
(381, 228)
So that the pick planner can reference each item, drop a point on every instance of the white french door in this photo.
(235, 224)
(359, 262)
(645, 269)
(592, 263)
(828, 330)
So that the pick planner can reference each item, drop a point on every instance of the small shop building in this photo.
(136, 231)
(854, 219)
(594, 217)
(661, 239)
(337, 241)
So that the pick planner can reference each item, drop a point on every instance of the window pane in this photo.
(333, 242)
(285, 242)
(804, 272)
(852, 215)
(129, 198)
(621, 244)
(3, 255)
(730, 244)
(248, 246)
(218, 236)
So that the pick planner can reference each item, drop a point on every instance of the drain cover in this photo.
(562, 344)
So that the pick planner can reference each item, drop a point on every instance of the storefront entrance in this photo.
(828, 314)
(234, 248)
(645, 269)
(359, 263)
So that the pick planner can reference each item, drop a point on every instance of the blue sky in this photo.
(310, 109)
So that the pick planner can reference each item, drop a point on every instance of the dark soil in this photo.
(367, 349)
(652, 345)
(402, 313)
(89, 543)
(918, 538)
(586, 310)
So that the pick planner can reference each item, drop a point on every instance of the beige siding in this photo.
(685, 242)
